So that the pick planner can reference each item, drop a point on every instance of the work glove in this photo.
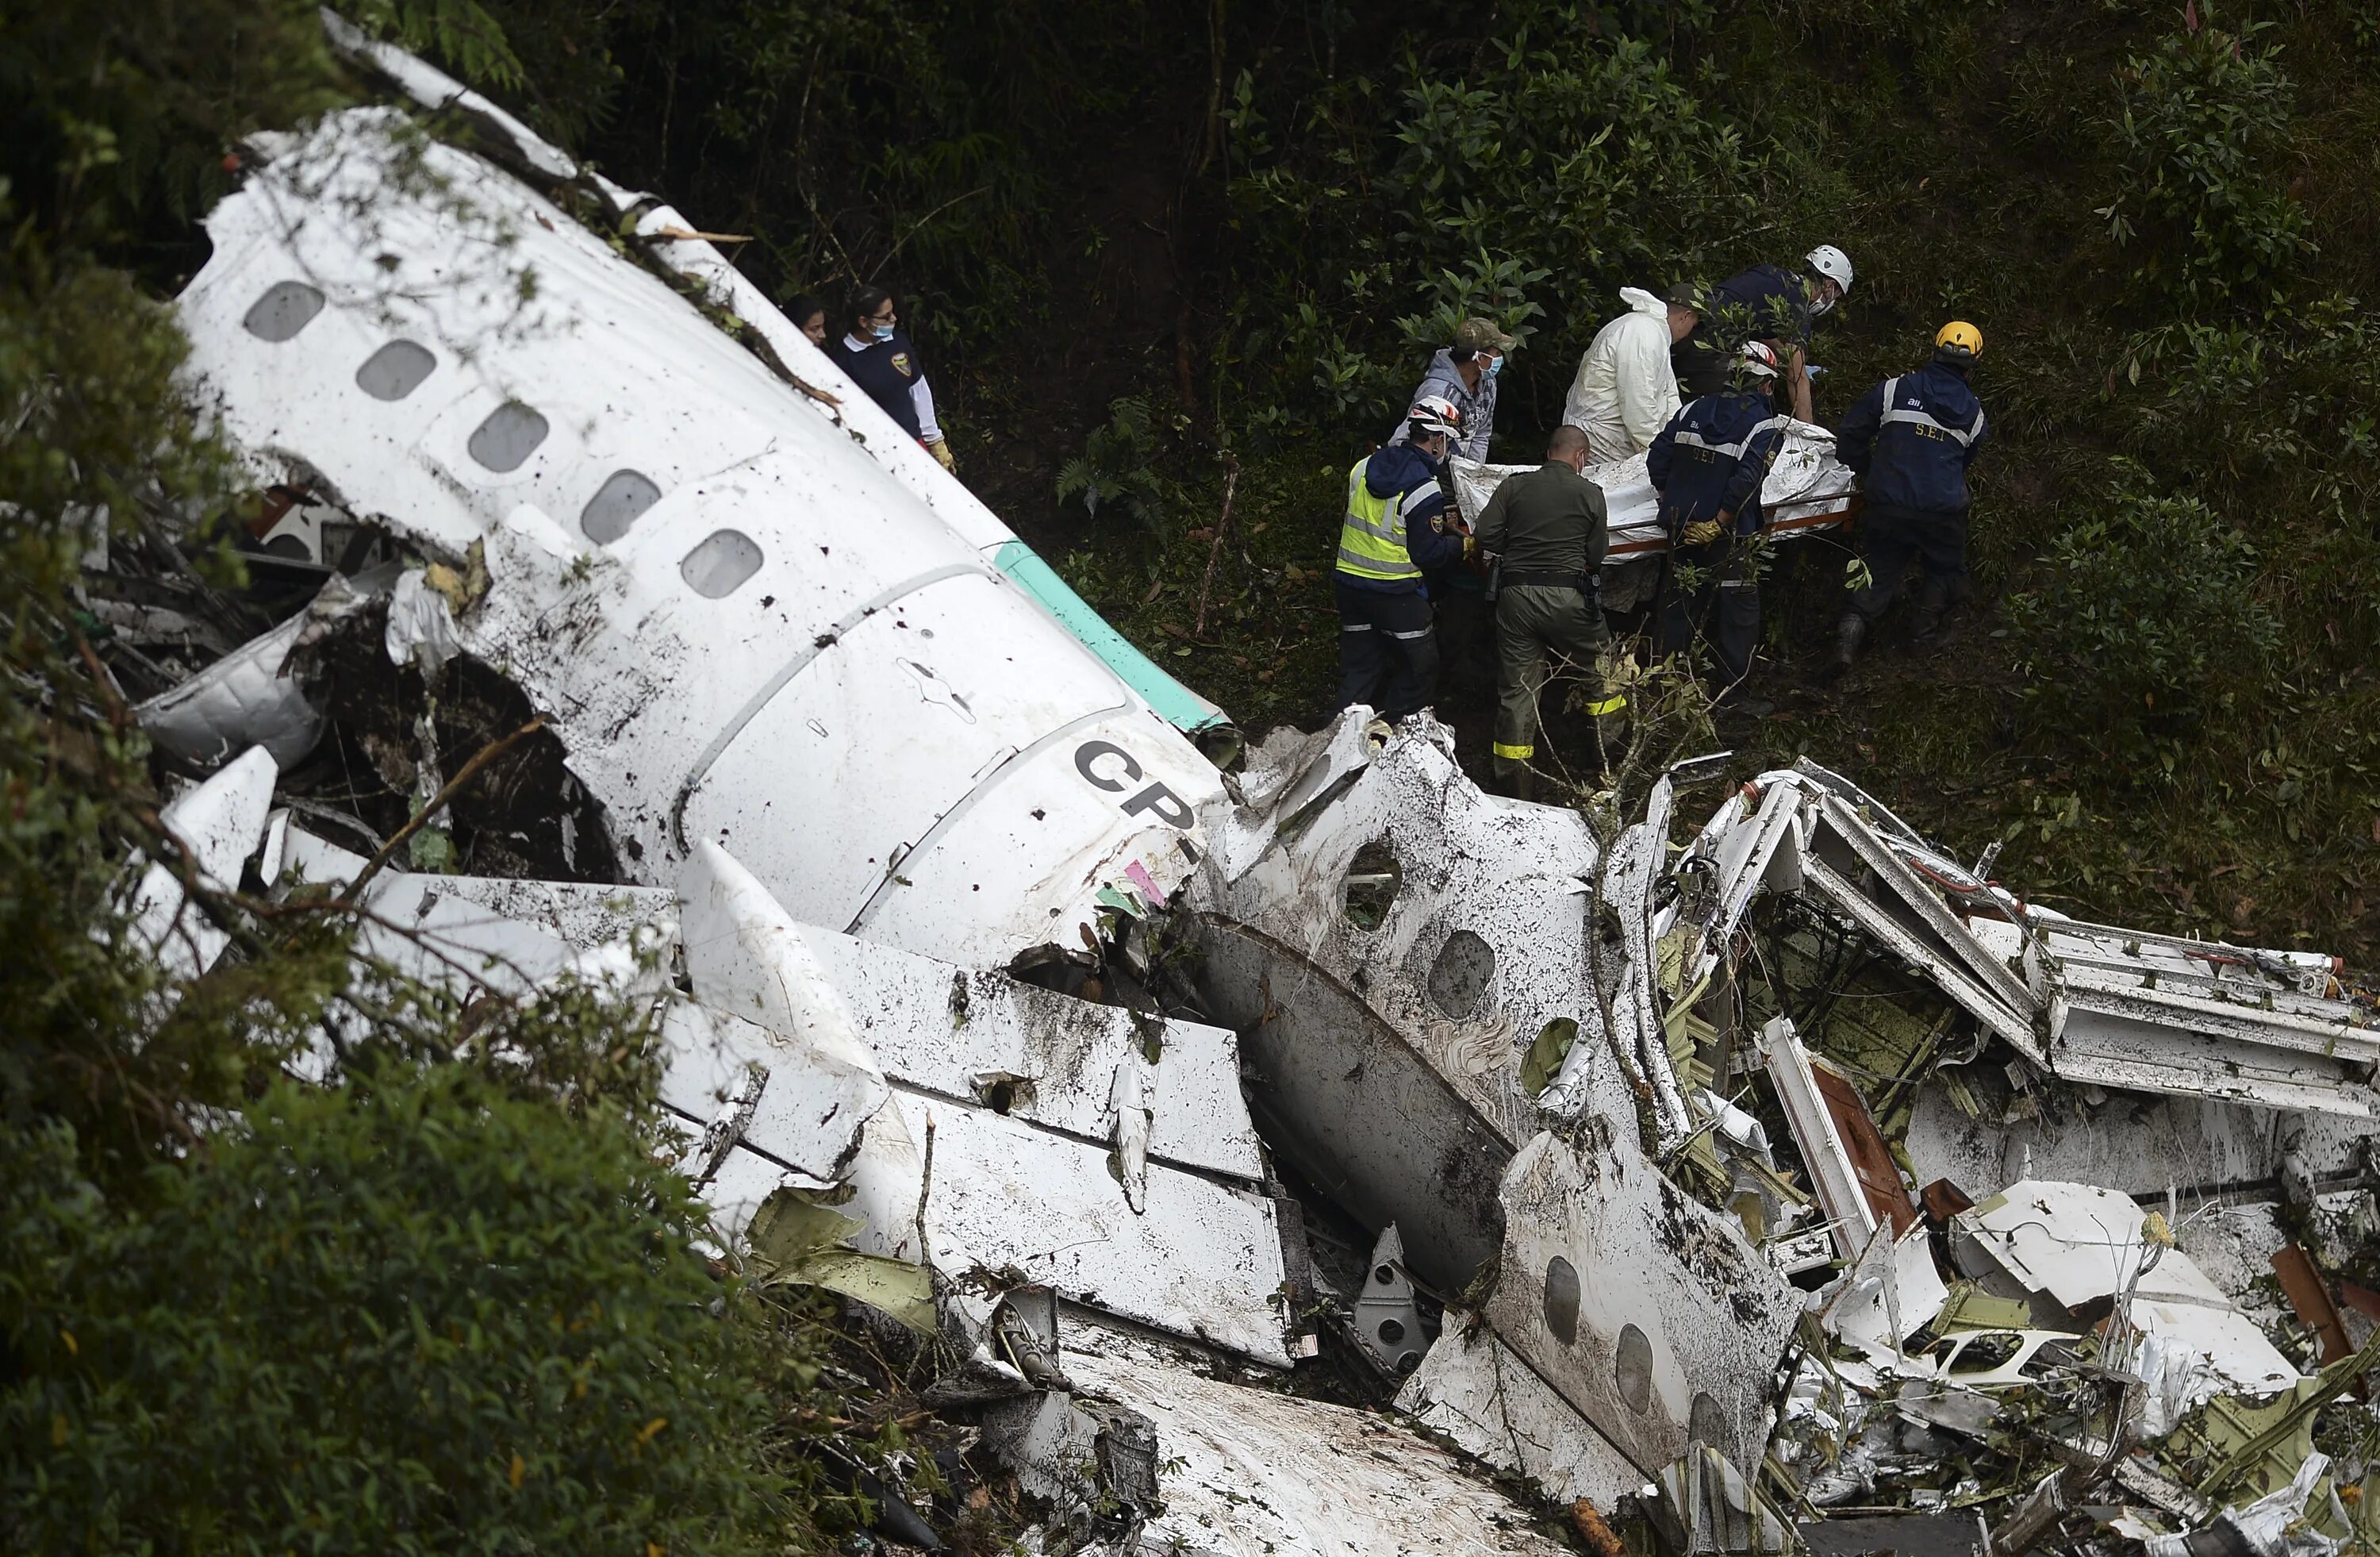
(1702, 532)
(941, 450)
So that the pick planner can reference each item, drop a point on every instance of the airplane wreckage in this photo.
(1769, 1175)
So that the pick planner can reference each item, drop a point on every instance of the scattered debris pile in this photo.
(1318, 1156)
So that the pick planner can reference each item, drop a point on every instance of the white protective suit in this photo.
(1625, 392)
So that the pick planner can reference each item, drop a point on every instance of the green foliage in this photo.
(1117, 470)
(415, 1316)
(459, 31)
(1402, 204)
(2195, 137)
(118, 114)
(2147, 623)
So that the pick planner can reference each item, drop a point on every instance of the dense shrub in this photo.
(2146, 625)
(416, 1316)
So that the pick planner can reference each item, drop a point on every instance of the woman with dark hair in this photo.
(809, 315)
(877, 356)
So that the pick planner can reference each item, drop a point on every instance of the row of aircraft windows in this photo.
(720, 564)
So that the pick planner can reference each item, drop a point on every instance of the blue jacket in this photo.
(1766, 303)
(1713, 456)
(1431, 539)
(1912, 439)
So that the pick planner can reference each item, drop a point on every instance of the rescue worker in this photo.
(1465, 375)
(1773, 304)
(1625, 393)
(1707, 465)
(1627, 389)
(1911, 439)
(1544, 534)
(1396, 528)
(882, 363)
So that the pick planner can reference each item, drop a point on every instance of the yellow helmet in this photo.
(1959, 336)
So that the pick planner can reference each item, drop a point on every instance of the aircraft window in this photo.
(1561, 1299)
(616, 506)
(395, 371)
(720, 564)
(1632, 1368)
(510, 435)
(286, 307)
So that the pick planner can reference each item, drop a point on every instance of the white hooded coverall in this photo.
(1626, 391)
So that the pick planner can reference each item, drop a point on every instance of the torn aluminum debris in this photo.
(2091, 1004)
(1390, 942)
(741, 627)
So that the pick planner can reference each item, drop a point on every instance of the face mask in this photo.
(1822, 305)
(882, 332)
(1495, 366)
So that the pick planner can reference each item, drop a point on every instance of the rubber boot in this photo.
(1849, 633)
(1933, 604)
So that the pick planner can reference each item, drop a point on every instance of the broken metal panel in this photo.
(1248, 1472)
(242, 699)
(988, 1039)
(1203, 1262)
(1925, 903)
(801, 1107)
(745, 956)
(1471, 1387)
(2137, 1143)
(1387, 1043)
(1973, 997)
(586, 914)
(1879, 1176)
(1834, 1177)
(2080, 1246)
(2145, 1053)
(1362, 1117)
(1387, 1320)
(1682, 1348)
(222, 824)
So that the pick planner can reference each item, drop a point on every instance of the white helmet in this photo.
(1755, 359)
(1833, 264)
(1435, 413)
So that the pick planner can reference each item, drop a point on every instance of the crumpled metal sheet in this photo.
(1248, 1472)
(1683, 1348)
(1473, 1388)
(222, 824)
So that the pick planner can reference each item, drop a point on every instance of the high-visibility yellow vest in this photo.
(1372, 539)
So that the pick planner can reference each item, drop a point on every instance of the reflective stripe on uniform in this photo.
(1346, 627)
(1516, 753)
(1735, 450)
(1612, 704)
(1408, 637)
(1372, 536)
(1912, 417)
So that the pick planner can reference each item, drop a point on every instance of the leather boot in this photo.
(1933, 604)
(1849, 633)
(1522, 784)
